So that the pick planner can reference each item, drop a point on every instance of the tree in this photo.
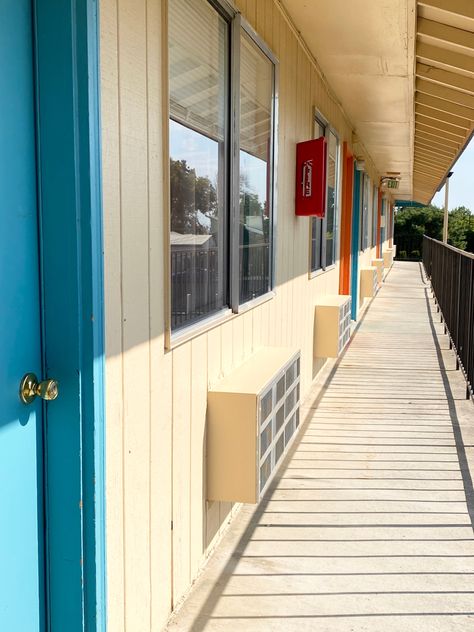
(411, 224)
(193, 199)
(461, 228)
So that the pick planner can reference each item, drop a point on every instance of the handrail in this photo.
(451, 274)
(461, 252)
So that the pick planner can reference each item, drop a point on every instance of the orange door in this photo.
(346, 220)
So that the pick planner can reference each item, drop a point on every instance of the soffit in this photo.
(444, 90)
(365, 50)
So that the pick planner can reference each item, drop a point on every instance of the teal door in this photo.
(21, 449)
(356, 208)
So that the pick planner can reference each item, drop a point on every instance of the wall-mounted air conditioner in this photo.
(378, 263)
(368, 282)
(252, 417)
(388, 258)
(332, 325)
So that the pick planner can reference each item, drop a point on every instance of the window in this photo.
(383, 222)
(256, 99)
(375, 210)
(331, 199)
(364, 232)
(323, 230)
(221, 202)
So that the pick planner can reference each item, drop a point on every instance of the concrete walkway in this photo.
(369, 525)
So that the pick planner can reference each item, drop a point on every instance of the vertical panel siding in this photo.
(160, 449)
(160, 525)
(113, 307)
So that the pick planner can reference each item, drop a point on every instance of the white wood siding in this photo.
(156, 399)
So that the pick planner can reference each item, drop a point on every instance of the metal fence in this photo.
(408, 248)
(197, 280)
(254, 273)
(451, 272)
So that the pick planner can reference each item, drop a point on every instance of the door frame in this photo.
(71, 254)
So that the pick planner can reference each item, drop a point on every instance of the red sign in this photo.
(311, 160)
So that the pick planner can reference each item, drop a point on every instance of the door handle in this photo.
(30, 388)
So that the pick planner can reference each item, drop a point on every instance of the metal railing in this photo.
(451, 273)
(254, 272)
(195, 289)
(408, 248)
(197, 280)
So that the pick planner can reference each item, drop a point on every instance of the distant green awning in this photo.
(408, 204)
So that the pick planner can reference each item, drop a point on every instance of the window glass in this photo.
(375, 210)
(256, 100)
(198, 60)
(216, 247)
(316, 243)
(323, 230)
(331, 199)
(384, 219)
(317, 222)
(364, 235)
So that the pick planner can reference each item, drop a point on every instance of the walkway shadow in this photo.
(372, 585)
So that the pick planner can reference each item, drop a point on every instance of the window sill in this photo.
(194, 330)
(320, 272)
(190, 332)
(245, 307)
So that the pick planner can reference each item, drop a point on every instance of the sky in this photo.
(202, 154)
(461, 183)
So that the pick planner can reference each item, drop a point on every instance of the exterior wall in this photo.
(159, 524)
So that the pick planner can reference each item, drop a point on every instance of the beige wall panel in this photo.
(182, 377)
(113, 304)
(214, 374)
(132, 79)
(238, 340)
(247, 348)
(199, 382)
(160, 364)
(156, 400)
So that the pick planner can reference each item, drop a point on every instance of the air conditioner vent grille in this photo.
(253, 415)
(332, 326)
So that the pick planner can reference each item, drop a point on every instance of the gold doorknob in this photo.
(31, 388)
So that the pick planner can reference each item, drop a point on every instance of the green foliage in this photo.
(193, 199)
(461, 229)
(410, 226)
(412, 223)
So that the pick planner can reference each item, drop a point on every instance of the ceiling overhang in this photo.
(444, 90)
(365, 50)
(403, 71)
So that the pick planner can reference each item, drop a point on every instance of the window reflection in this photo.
(255, 134)
(198, 95)
(331, 201)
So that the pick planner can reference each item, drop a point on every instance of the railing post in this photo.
(453, 291)
(470, 327)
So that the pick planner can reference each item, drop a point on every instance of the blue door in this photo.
(21, 450)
